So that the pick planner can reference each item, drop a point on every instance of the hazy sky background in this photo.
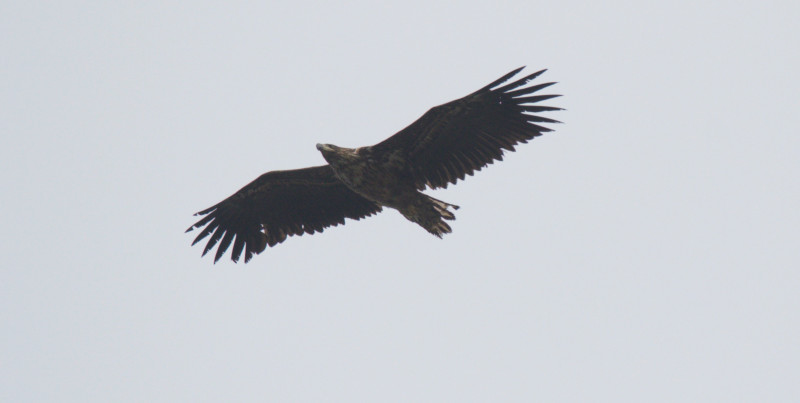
(646, 251)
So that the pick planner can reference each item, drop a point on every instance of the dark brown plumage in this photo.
(447, 143)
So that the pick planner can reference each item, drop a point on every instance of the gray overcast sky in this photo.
(645, 251)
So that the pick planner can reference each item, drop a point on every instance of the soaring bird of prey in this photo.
(445, 144)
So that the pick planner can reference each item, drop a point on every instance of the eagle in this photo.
(447, 143)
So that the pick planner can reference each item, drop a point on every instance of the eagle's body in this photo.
(447, 143)
(386, 179)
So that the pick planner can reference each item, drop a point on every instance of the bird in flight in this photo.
(447, 143)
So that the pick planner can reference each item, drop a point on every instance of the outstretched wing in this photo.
(276, 205)
(465, 135)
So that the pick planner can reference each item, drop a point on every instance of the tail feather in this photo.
(430, 214)
(441, 208)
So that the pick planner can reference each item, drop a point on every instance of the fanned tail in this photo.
(431, 213)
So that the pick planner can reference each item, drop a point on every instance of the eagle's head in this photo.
(336, 155)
